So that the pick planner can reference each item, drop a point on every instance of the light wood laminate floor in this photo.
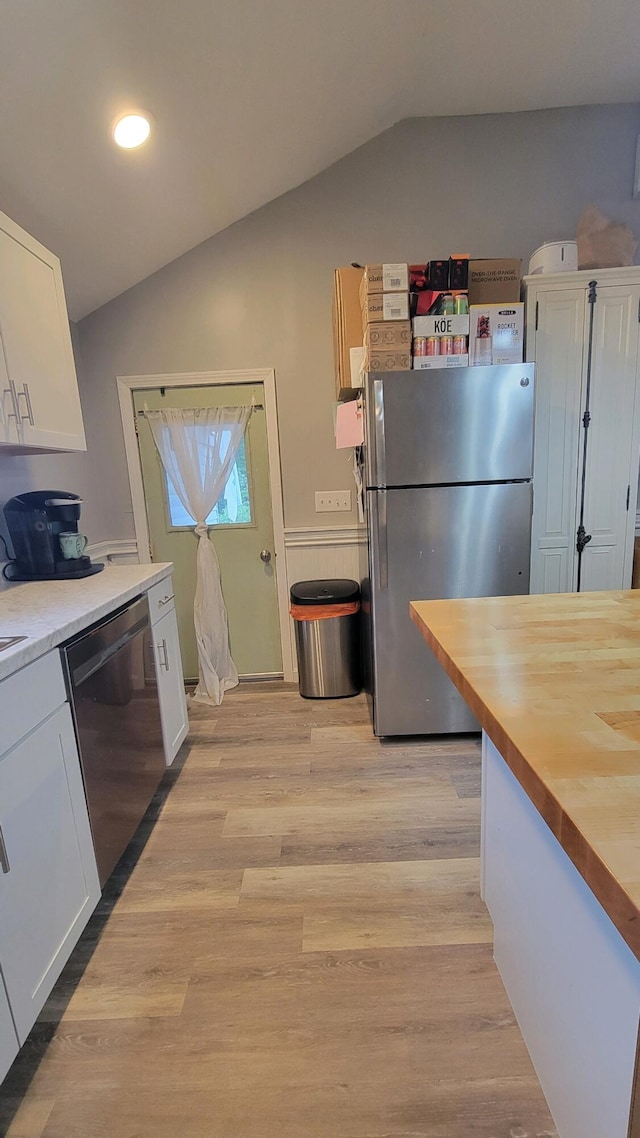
(295, 948)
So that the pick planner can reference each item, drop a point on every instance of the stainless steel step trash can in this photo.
(327, 621)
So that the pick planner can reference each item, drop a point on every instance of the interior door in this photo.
(611, 469)
(240, 534)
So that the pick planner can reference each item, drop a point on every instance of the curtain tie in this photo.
(202, 529)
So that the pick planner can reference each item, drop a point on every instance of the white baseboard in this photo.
(312, 553)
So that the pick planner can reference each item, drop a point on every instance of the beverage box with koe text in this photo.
(430, 363)
(441, 325)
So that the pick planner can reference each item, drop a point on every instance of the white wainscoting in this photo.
(121, 551)
(319, 553)
(313, 553)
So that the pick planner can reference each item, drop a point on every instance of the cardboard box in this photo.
(427, 363)
(496, 334)
(356, 360)
(387, 359)
(494, 281)
(459, 271)
(385, 278)
(347, 323)
(385, 306)
(388, 334)
(440, 325)
(426, 302)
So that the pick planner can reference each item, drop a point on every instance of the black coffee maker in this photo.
(41, 526)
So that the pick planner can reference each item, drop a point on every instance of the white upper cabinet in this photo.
(40, 405)
(585, 344)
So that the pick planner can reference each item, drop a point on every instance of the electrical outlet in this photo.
(330, 500)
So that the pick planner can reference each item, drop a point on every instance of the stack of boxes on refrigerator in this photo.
(441, 314)
(386, 323)
(440, 309)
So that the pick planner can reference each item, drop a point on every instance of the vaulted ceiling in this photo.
(252, 97)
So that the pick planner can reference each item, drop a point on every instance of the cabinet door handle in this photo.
(15, 414)
(164, 658)
(165, 600)
(27, 398)
(4, 857)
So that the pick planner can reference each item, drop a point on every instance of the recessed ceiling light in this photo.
(131, 130)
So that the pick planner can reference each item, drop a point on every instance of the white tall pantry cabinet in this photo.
(583, 333)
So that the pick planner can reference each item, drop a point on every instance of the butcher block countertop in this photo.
(555, 682)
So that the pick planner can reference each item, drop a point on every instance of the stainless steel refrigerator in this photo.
(447, 467)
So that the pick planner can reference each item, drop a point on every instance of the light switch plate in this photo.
(329, 501)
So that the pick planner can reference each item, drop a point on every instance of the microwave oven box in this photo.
(496, 333)
(388, 334)
(387, 359)
(494, 281)
(385, 278)
(347, 323)
(382, 306)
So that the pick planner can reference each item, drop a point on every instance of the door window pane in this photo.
(233, 508)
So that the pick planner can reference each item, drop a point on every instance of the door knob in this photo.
(265, 555)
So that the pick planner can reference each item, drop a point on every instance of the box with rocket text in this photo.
(496, 333)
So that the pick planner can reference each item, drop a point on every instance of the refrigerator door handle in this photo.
(380, 449)
(382, 553)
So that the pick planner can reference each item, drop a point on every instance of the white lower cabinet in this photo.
(173, 703)
(48, 876)
(9, 1045)
(168, 665)
(49, 882)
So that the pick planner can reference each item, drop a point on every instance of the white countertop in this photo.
(50, 612)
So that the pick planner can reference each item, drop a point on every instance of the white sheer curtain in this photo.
(198, 449)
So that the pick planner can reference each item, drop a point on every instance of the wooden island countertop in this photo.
(554, 680)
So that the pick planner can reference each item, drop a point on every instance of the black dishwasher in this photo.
(116, 711)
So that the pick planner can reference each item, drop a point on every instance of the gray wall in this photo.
(259, 294)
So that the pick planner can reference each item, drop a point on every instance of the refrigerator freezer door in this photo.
(446, 541)
(458, 425)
